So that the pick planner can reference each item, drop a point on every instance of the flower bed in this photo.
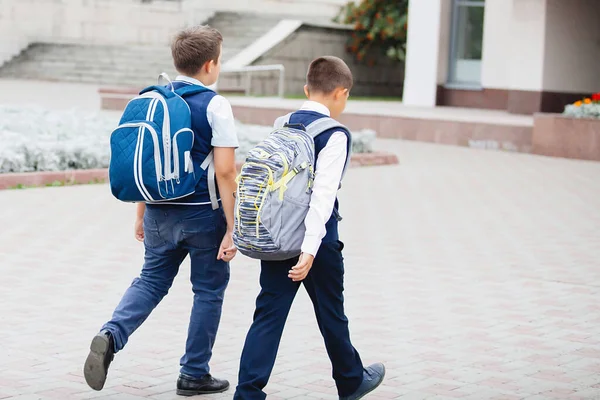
(37, 139)
(586, 108)
(573, 134)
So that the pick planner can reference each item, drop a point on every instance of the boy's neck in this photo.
(321, 100)
(199, 77)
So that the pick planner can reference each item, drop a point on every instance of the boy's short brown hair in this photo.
(194, 47)
(327, 73)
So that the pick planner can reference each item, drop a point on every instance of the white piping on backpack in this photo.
(137, 160)
(152, 131)
(159, 176)
(149, 115)
(166, 133)
(135, 166)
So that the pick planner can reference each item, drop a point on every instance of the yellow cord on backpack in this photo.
(282, 183)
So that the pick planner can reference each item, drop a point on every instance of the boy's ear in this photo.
(341, 93)
(306, 92)
(208, 66)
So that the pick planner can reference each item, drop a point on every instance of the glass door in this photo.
(466, 42)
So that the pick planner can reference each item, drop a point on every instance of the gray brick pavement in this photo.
(472, 274)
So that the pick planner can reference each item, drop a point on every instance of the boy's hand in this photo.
(138, 230)
(227, 251)
(300, 271)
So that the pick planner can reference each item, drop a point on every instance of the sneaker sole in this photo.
(189, 393)
(93, 370)
(379, 384)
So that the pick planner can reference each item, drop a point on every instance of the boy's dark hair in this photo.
(194, 47)
(327, 73)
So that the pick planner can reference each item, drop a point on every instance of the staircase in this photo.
(240, 30)
(109, 65)
(132, 66)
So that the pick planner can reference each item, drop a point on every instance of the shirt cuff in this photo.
(311, 245)
(224, 143)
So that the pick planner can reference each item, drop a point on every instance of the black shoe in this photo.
(189, 386)
(102, 352)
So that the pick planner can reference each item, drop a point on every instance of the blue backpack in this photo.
(151, 149)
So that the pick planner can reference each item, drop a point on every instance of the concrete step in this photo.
(91, 56)
(116, 58)
(65, 71)
(60, 73)
(90, 63)
(99, 79)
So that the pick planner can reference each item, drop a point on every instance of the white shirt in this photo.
(219, 116)
(328, 174)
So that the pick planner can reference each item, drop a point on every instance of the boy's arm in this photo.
(224, 141)
(328, 174)
(139, 221)
(226, 172)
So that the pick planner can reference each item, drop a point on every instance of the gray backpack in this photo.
(274, 189)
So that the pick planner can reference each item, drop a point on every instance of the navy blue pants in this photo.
(325, 286)
(171, 233)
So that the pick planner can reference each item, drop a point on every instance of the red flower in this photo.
(596, 97)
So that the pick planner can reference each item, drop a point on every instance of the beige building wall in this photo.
(497, 43)
(572, 47)
(95, 21)
(444, 41)
(527, 31)
(538, 55)
(541, 45)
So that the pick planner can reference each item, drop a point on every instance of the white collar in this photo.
(310, 105)
(189, 80)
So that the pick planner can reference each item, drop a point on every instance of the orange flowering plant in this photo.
(379, 25)
(586, 108)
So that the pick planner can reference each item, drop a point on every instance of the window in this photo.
(467, 42)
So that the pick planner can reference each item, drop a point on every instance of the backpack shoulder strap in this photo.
(190, 90)
(324, 124)
(209, 166)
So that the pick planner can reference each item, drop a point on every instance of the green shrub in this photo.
(378, 24)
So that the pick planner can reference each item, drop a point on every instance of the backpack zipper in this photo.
(176, 151)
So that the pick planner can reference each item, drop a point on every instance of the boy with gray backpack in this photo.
(286, 215)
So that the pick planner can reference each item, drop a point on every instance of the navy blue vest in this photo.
(202, 141)
(305, 118)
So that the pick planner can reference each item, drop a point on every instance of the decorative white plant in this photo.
(37, 139)
(586, 108)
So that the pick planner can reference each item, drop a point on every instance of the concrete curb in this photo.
(72, 177)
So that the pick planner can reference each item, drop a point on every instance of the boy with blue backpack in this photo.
(287, 217)
(174, 154)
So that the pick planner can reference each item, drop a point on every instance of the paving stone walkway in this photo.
(471, 274)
